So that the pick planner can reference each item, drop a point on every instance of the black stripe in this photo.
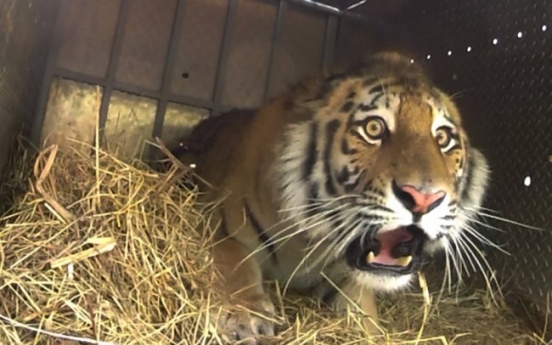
(455, 147)
(350, 120)
(331, 129)
(371, 217)
(367, 107)
(360, 137)
(312, 152)
(375, 190)
(260, 232)
(461, 162)
(376, 89)
(376, 99)
(312, 200)
(468, 179)
(343, 175)
(347, 107)
(375, 207)
(313, 191)
(349, 187)
(345, 149)
(337, 221)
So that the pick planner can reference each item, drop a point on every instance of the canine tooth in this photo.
(404, 261)
(370, 257)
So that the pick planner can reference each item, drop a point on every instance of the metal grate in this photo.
(495, 55)
(207, 55)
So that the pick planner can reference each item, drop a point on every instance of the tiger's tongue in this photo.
(389, 240)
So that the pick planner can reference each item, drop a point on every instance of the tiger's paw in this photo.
(251, 326)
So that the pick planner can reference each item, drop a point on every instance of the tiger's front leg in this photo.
(248, 306)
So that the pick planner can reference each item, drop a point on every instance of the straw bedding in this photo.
(100, 251)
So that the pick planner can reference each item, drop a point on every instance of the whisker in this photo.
(488, 209)
(463, 248)
(502, 219)
(473, 249)
(473, 232)
(325, 218)
(279, 237)
(303, 260)
(323, 213)
(353, 235)
(488, 226)
(312, 250)
(318, 202)
(322, 217)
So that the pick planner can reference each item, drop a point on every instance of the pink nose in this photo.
(416, 201)
(423, 203)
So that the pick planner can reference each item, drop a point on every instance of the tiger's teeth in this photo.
(404, 261)
(370, 257)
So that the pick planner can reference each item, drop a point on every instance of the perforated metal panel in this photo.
(496, 57)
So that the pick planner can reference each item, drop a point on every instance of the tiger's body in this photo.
(347, 181)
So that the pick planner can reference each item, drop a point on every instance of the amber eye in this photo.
(375, 128)
(443, 136)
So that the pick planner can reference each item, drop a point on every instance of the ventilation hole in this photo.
(543, 28)
(519, 34)
(411, 60)
(449, 53)
(495, 41)
(469, 49)
(428, 56)
(527, 181)
(185, 75)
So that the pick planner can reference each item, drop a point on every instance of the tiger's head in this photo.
(382, 172)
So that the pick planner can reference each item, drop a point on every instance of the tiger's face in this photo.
(389, 175)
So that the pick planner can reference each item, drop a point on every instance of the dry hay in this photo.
(106, 252)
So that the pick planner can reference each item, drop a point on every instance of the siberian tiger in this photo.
(344, 181)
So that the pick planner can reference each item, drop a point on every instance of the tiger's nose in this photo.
(416, 201)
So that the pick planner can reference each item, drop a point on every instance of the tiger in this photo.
(338, 188)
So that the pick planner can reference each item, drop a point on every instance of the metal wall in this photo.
(25, 28)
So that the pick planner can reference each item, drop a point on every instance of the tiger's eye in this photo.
(376, 128)
(443, 137)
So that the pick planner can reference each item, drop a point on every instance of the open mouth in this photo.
(397, 251)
